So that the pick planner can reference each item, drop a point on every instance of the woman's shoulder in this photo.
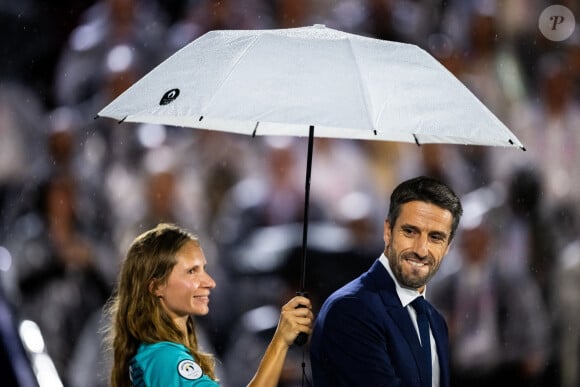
(162, 346)
(167, 363)
(160, 354)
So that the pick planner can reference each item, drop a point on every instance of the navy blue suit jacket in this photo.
(363, 336)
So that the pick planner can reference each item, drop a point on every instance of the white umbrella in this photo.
(310, 81)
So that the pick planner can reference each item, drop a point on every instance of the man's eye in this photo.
(438, 238)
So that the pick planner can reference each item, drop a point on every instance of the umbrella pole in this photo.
(302, 338)
(306, 206)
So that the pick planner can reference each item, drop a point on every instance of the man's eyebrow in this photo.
(407, 226)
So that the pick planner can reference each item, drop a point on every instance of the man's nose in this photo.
(421, 246)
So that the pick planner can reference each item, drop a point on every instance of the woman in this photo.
(163, 285)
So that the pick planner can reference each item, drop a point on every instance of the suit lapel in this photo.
(398, 313)
(403, 320)
(439, 330)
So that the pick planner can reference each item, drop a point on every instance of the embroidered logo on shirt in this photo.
(188, 369)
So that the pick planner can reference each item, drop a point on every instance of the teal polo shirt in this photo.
(166, 364)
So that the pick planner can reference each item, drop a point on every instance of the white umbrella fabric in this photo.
(310, 81)
(280, 82)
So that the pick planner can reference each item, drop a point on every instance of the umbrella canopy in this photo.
(281, 82)
(310, 81)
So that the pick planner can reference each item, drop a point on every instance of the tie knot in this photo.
(420, 305)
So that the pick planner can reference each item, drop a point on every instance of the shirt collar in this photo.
(406, 295)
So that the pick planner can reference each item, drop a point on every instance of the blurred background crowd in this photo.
(75, 191)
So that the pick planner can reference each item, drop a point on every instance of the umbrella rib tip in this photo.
(416, 139)
(255, 129)
(512, 143)
(122, 120)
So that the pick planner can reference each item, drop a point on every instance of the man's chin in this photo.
(414, 281)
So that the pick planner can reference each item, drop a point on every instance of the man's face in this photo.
(416, 244)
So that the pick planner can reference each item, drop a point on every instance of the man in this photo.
(367, 333)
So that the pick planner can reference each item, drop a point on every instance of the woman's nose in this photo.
(208, 281)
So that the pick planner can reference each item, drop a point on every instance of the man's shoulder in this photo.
(354, 295)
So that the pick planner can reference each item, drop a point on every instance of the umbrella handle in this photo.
(302, 337)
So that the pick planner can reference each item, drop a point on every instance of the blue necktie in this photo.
(420, 306)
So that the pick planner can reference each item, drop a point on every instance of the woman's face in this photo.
(188, 286)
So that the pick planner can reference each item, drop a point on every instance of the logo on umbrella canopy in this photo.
(169, 97)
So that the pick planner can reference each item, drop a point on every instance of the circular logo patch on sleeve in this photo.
(189, 370)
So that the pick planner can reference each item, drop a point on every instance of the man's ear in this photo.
(387, 232)
(448, 247)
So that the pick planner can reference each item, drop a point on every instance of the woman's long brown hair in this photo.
(136, 314)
